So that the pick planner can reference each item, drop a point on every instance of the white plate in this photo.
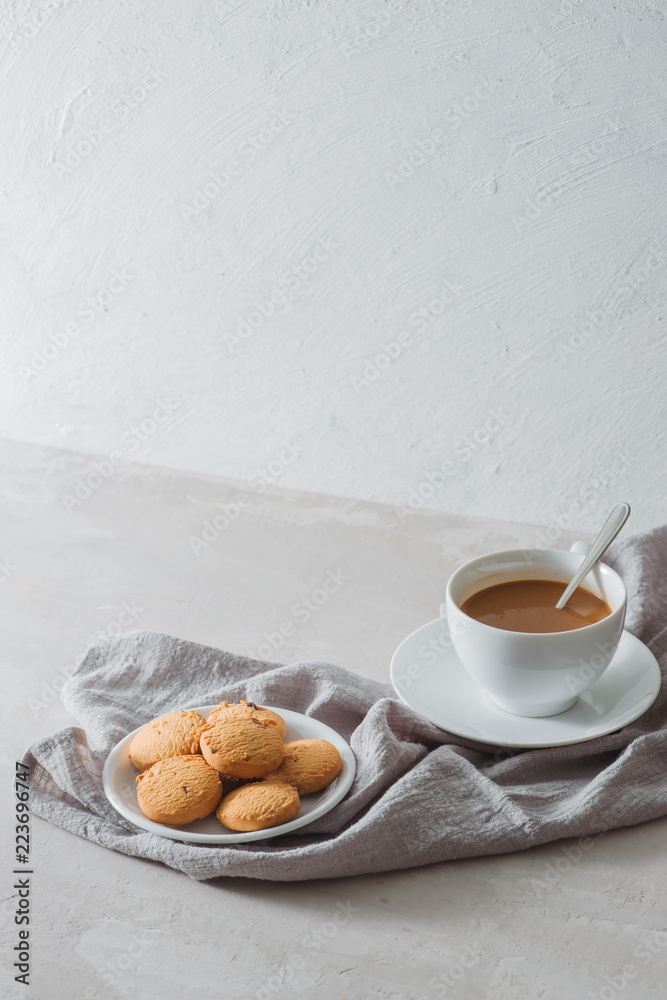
(429, 677)
(121, 790)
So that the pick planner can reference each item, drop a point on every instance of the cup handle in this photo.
(581, 548)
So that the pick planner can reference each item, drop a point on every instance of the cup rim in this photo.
(531, 635)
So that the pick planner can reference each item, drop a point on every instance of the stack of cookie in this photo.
(235, 763)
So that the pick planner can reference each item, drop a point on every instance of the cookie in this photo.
(309, 765)
(242, 748)
(248, 710)
(177, 790)
(258, 806)
(170, 736)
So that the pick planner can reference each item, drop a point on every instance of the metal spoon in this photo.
(610, 529)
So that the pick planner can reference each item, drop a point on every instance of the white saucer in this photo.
(120, 787)
(429, 677)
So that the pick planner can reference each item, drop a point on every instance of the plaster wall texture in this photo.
(408, 252)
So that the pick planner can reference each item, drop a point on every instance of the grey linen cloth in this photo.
(420, 795)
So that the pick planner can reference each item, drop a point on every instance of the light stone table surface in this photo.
(544, 923)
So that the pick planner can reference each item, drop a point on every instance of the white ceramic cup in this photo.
(534, 673)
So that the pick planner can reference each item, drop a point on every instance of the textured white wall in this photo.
(406, 251)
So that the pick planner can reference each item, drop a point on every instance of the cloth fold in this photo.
(420, 795)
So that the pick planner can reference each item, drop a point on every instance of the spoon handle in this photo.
(610, 529)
